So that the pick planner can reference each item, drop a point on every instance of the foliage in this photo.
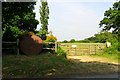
(111, 18)
(11, 33)
(38, 33)
(72, 40)
(114, 49)
(76, 41)
(51, 38)
(84, 41)
(60, 51)
(112, 52)
(44, 16)
(102, 37)
(65, 41)
(18, 15)
(28, 23)
(106, 36)
(110, 37)
(26, 33)
(30, 33)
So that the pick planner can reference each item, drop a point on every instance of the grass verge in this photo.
(50, 65)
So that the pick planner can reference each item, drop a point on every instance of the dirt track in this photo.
(85, 58)
(90, 59)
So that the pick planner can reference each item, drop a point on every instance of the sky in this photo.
(74, 19)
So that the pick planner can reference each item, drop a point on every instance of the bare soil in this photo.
(85, 58)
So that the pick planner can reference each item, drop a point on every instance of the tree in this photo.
(106, 36)
(72, 40)
(103, 37)
(44, 16)
(51, 37)
(111, 19)
(18, 16)
(65, 41)
(92, 39)
(11, 33)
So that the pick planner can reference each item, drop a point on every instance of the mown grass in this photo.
(50, 65)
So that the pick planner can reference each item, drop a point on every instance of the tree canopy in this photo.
(72, 40)
(111, 18)
(104, 37)
(18, 16)
(44, 16)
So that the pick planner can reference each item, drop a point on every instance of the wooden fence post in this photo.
(17, 46)
(95, 49)
(89, 49)
(56, 46)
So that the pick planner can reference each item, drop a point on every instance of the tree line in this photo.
(101, 37)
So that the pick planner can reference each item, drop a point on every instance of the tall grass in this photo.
(111, 52)
(18, 66)
(60, 51)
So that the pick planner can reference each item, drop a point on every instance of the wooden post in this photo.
(95, 49)
(17, 47)
(56, 46)
(89, 49)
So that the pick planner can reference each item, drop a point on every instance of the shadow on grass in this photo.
(91, 69)
(50, 65)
